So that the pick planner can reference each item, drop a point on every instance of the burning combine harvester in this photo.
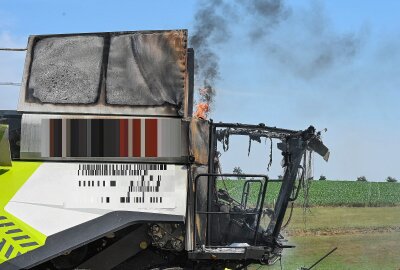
(111, 171)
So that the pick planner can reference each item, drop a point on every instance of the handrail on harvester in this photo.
(208, 212)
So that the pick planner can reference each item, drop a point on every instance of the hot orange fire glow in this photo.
(203, 107)
(201, 110)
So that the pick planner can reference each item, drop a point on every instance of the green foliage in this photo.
(322, 177)
(391, 179)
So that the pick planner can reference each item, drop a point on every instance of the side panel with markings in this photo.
(59, 195)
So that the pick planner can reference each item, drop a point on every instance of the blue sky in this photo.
(272, 81)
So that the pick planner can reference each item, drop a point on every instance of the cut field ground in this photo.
(366, 237)
(343, 220)
(355, 252)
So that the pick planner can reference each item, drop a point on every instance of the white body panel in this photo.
(59, 195)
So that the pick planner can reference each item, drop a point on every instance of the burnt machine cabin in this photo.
(110, 170)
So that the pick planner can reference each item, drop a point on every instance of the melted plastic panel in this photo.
(199, 140)
(66, 70)
(146, 69)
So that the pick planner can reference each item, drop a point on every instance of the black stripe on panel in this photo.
(29, 244)
(97, 127)
(2, 243)
(57, 139)
(13, 231)
(7, 224)
(9, 251)
(111, 138)
(82, 137)
(74, 135)
(17, 238)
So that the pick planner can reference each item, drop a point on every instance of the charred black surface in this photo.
(66, 70)
(143, 70)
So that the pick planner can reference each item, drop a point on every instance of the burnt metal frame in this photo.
(295, 145)
(246, 190)
(208, 213)
(297, 149)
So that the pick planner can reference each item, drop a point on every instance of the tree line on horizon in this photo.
(237, 170)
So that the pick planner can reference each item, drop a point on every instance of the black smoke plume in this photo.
(272, 28)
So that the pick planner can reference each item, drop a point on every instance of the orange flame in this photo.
(202, 110)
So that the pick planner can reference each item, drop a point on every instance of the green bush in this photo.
(362, 179)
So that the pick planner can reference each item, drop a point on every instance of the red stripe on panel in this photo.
(123, 137)
(136, 137)
(151, 137)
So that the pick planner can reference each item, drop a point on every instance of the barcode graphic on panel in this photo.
(118, 169)
(126, 186)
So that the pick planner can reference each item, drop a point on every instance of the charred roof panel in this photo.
(119, 73)
(146, 69)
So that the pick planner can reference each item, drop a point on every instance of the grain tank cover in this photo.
(117, 73)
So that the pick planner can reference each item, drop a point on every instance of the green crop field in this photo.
(329, 193)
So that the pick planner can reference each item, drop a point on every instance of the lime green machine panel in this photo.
(16, 237)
